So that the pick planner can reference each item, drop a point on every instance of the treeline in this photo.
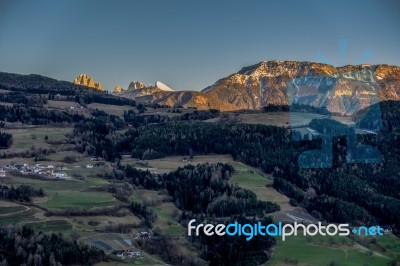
(37, 115)
(110, 211)
(95, 136)
(139, 178)
(144, 212)
(381, 116)
(296, 108)
(137, 119)
(330, 127)
(36, 84)
(6, 140)
(204, 189)
(256, 145)
(166, 248)
(23, 98)
(235, 250)
(22, 193)
(23, 246)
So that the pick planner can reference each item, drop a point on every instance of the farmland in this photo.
(86, 190)
(319, 250)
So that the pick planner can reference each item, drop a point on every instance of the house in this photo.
(121, 256)
(89, 166)
(144, 234)
(60, 175)
(2, 173)
(133, 254)
(387, 229)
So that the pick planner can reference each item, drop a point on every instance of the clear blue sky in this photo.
(188, 44)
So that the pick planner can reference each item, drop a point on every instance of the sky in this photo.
(189, 45)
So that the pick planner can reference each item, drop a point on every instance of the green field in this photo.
(26, 138)
(11, 209)
(63, 194)
(19, 217)
(58, 185)
(77, 199)
(319, 250)
(51, 226)
(165, 222)
(250, 178)
(390, 242)
(164, 210)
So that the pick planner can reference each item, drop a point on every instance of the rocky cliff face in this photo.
(134, 85)
(343, 90)
(339, 89)
(88, 81)
(117, 89)
(186, 99)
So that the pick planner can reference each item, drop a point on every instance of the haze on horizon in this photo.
(188, 45)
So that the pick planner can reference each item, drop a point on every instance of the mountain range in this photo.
(341, 90)
(88, 81)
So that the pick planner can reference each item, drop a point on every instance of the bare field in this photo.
(34, 137)
(62, 105)
(117, 110)
(167, 111)
(171, 163)
(285, 119)
(6, 104)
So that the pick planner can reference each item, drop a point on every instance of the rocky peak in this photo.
(134, 85)
(88, 81)
(117, 89)
(341, 89)
(162, 86)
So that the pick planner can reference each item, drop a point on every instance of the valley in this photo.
(104, 171)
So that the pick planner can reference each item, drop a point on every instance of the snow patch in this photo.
(163, 87)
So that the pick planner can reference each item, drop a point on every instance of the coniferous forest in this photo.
(356, 193)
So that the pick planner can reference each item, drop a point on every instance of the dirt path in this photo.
(17, 212)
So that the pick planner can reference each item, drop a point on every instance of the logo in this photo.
(280, 229)
(347, 91)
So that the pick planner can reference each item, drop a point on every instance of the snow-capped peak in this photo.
(163, 87)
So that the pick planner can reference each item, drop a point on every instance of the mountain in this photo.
(88, 81)
(162, 86)
(186, 99)
(339, 89)
(343, 90)
(134, 85)
(164, 95)
(117, 89)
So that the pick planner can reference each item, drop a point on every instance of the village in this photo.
(41, 171)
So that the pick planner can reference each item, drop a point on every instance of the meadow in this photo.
(320, 250)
